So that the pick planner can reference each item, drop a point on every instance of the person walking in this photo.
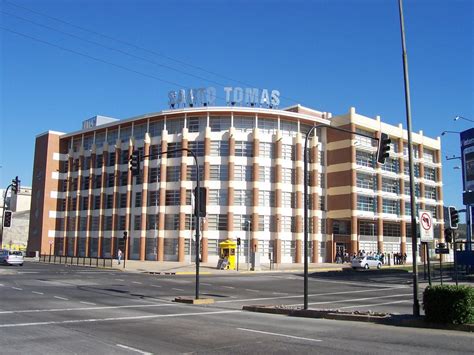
(119, 256)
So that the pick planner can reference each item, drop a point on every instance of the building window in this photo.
(171, 149)
(390, 185)
(123, 200)
(341, 227)
(173, 173)
(244, 124)
(175, 126)
(154, 174)
(364, 141)
(218, 197)
(110, 201)
(416, 170)
(322, 203)
(171, 222)
(156, 128)
(366, 203)
(122, 222)
(408, 209)
(428, 156)
(286, 151)
(219, 124)
(365, 181)
(219, 172)
(391, 230)
(391, 206)
(288, 128)
(191, 173)
(219, 148)
(286, 175)
(367, 228)
(97, 202)
(243, 198)
(217, 222)
(241, 222)
(195, 123)
(153, 198)
(430, 192)
(84, 203)
(266, 198)
(138, 199)
(242, 173)
(266, 150)
(197, 147)
(433, 209)
(267, 125)
(430, 174)
(172, 198)
(243, 149)
(137, 220)
(286, 199)
(264, 223)
(151, 222)
(365, 159)
(417, 189)
(189, 222)
(124, 178)
(286, 224)
(391, 165)
(108, 223)
(266, 174)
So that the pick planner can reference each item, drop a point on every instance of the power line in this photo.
(111, 48)
(141, 48)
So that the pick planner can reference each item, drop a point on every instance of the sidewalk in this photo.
(186, 268)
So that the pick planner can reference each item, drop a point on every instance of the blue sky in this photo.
(328, 55)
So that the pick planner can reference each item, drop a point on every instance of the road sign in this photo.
(426, 226)
(442, 251)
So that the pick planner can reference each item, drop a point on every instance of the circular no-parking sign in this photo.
(426, 226)
(426, 221)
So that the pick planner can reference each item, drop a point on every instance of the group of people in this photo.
(345, 257)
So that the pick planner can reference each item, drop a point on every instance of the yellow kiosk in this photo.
(227, 255)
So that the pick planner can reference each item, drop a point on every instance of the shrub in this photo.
(449, 304)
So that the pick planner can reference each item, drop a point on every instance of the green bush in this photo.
(449, 304)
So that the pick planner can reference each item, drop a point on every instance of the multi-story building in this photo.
(251, 162)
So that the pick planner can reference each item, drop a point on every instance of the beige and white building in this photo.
(251, 161)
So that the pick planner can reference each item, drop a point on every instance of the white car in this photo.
(10, 257)
(366, 262)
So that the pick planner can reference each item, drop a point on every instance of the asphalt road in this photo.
(63, 310)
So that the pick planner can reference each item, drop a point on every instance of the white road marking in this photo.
(136, 282)
(357, 283)
(2, 285)
(279, 293)
(356, 299)
(28, 272)
(38, 293)
(93, 320)
(228, 287)
(119, 280)
(155, 286)
(133, 349)
(206, 284)
(279, 335)
(300, 296)
(89, 303)
(17, 288)
(251, 290)
(178, 289)
(61, 298)
(87, 308)
(377, 304)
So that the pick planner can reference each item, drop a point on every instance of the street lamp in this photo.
(462, 118)
(444, 132)
(247, 228)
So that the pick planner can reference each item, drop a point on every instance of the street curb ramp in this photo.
(367, 317)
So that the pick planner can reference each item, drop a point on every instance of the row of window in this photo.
(369, 182)
(369, 204)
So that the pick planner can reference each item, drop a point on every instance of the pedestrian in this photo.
(119, 256)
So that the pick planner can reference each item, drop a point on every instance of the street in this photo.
(56, 309)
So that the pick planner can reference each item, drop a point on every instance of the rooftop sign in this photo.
(234, 96)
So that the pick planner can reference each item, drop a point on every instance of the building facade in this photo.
(251, 162)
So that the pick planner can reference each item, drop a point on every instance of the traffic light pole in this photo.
(3, 212)
(196, 212)
(305, 199)
(416, 302)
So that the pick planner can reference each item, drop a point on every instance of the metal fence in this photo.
(76, 260)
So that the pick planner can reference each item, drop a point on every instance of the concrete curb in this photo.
(377, 318)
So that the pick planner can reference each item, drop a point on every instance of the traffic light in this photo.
(448, 235)
(238, 241)
(125, 235)
(453, 216)
(7, 219)
(202, 202)
(383, 150)
(135, 163)
(16, 185)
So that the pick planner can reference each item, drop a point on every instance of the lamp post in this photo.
(462, 118)
(247, 227)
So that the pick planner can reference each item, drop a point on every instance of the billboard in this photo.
(467, 156)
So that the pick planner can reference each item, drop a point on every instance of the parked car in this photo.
(366, 262)
(10, 257)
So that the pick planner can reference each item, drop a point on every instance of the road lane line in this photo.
(89, 303)
(2, 285)
(206, 284)
(251, 290)
(119, 280)
(177, 289)
(61, 298)
(358, 283)
(133, 349)
(355, 299)
(94, 320)
(38, 293)
(228, 287)
(279, 335)
(377, 304)
(28, 272)
(17, 288)
(300, 296)
(279, 293)
(155, 285)
(136, 282)
(88, 308)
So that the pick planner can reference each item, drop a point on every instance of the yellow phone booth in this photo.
(227, 255)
